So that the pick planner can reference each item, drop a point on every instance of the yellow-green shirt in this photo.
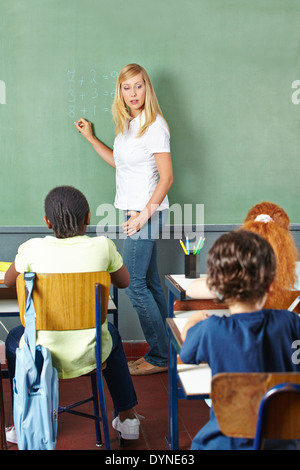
(73, 352)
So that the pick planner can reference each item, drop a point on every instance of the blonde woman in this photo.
(142, 159)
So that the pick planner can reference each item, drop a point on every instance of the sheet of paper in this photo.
(195, 379)
(183, 281)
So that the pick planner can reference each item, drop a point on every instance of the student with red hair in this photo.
(272, 223)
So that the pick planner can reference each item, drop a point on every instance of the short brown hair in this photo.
(241, 266)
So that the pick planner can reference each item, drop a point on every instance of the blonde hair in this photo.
(120, 111)
(277, 233)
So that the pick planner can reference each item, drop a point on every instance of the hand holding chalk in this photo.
(85, 128)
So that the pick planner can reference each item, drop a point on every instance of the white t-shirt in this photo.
(73, 352)
(136, 171)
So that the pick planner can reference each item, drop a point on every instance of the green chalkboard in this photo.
(226, 73)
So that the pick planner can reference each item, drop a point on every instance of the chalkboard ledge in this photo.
(36, 230)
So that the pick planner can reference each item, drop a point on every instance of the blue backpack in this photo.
(35, 387)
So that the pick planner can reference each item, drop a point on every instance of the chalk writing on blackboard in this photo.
(2, 92)
(296, 94)
(90, 92)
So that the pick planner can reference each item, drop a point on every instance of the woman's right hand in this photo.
(85, 128)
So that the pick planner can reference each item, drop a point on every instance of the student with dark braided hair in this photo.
(70, 250)
(66, 208)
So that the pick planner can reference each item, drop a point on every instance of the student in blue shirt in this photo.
(241, 267)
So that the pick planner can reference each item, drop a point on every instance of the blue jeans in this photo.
(145, 290)
(116, 373)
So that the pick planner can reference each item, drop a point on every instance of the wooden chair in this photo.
(114, 308)
(292, 298)
(73, 301)
(251, 405)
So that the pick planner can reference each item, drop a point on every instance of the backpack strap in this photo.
(30, 330)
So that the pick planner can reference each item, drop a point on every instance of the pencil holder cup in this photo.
(192, 266)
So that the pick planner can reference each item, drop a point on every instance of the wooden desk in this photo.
(177, 285)
(194, 380)
(8, 308)
(8, 301)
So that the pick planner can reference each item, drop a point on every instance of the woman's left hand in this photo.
(134, 223)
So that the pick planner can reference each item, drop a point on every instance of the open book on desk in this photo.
(195, 379)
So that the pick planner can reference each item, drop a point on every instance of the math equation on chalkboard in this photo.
(90, 93)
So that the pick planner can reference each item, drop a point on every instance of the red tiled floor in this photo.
(77, 433)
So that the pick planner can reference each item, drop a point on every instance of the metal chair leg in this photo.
(96, 410)
(3, 444)
(103, 410)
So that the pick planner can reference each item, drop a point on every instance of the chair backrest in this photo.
(65, 301)
(284, 399)
(293, 296)
(236, 398)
